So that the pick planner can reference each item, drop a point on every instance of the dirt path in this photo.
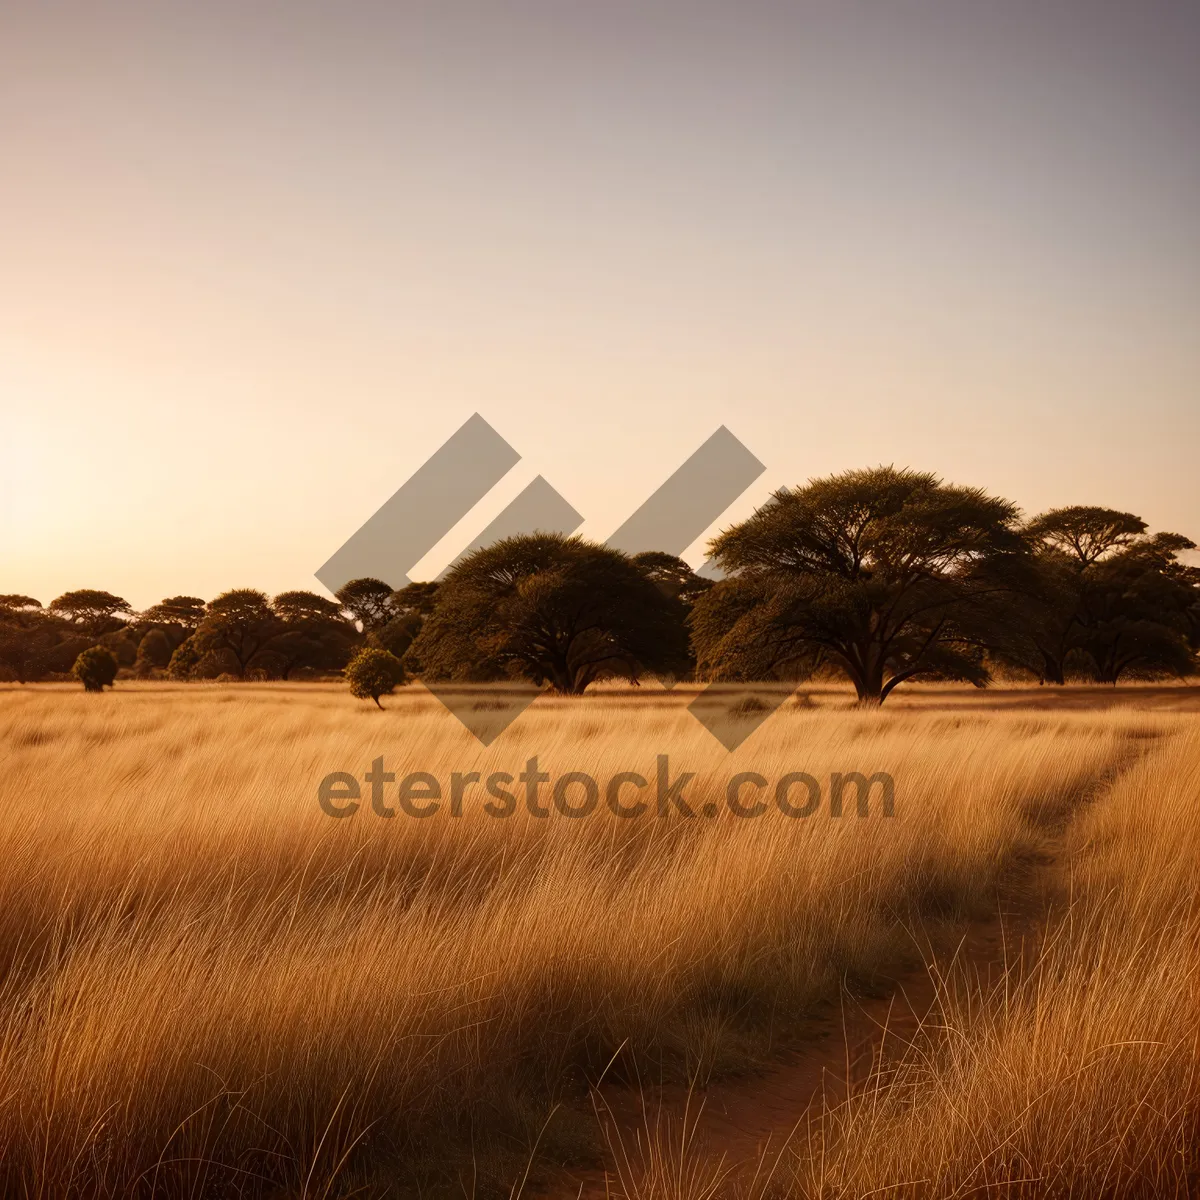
(745, 1122)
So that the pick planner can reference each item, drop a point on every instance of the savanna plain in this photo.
(211, 987)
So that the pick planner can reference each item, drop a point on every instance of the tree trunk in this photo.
(870, 690)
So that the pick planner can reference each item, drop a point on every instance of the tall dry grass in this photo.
(209, 986)
(1078, 1076)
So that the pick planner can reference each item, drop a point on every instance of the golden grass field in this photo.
(212, 988)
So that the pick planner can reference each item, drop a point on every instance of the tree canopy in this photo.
(1085, 533)
(368, 601)
(550, 609)
(238, 626)
(882, 575)
(888, 574)
(184, 611)
(1105, 599)
(95, 668)
(95, 612)
(372, 673)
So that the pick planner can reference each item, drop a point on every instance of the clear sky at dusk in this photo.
(257, 261)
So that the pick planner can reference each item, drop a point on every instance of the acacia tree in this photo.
(94, 612)
(312, 633)
(550, 609)
(1104, 598)
(672, 575)
(368, 601)
(887, 574)
(1085, 534)
(1138, 611)
(238, 628)
(14, 603)
(26, 637)
(409, 606)
(185, 611)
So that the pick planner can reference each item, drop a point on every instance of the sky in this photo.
(259, 260)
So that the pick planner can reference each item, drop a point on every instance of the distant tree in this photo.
(123, 643)
(886, 574)
(1137, 611)
(95, 668)
(416, 598)
(368, 601)
(153, 653)
(213, 666)
(94, 612)
(16, 603)
(372, 673)
(27, 638)
(550, 609)
(1084, 533)
(1038, 627)
(313, 633)
(673, 575)
(410, 606)
(184, 611)
(238, 628)
(1105, 599)
(299, 606)
(184, 660)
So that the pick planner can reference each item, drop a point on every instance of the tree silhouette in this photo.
(93, 611)
(672, 575)
(550, 609)
(1086, 533)
(184, 611)
(409, 605)
(886, 574)
(1105, 599)
(312, 633)
(368, 601)
(26, 637)
(238, 626)
(372, 673)
(1137, 611)
(95, 668)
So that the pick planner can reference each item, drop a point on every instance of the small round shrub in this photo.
(372, 673)
(95, 668)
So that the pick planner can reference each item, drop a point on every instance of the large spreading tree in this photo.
(887, 574)
(551, 609)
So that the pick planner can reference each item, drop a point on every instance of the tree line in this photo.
(878, 576)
